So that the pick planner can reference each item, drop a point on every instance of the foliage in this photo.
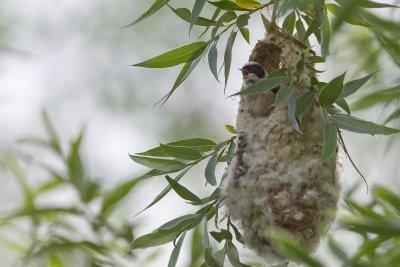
(55, 229)
(303, 20)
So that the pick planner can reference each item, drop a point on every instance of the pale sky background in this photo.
(73, 59)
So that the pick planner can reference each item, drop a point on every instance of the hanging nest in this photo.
(277, 179)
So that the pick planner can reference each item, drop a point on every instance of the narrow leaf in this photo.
(325, 34)
(351, 87)
(210, 169)
(266, 22)
(233, 255)
(186, 15)
(282, 95)
(356, 125)
(173, 259)
(113, 197)
(343, 104)
(183, 54)
(197, 8)
(164, 192)
(261, 86)
(228, 5)
(183, 192)
(212, 60)
(304, 103)
(330, 141)
(248, 4)
(331, 91)
(382, 96)
(289, 22)
(181, 152)
(158, 164)
(154, 8)
(228, 55)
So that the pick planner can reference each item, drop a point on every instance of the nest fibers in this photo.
(277, 179)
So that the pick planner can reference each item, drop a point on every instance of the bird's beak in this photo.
(244, 72)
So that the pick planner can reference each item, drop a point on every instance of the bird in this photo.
(259, 104)
(252, 72)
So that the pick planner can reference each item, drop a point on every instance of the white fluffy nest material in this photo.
(277, 179)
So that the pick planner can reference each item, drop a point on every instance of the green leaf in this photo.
(222, 235)
(369, 4)
(158, 164)
(301, 32)
(112, 198)
(313, 27)
(304, 103)
(154, 8)
(248, 4)
(230, 128)
(233, 255)
(349, 15)
(289, 22)
(391, 46)
(199, 144)
(245, 33)
(183, 54)
(228, 16)
(266, 22)
(53, 260)
(315, 59)
(387, 196)
(351, 87)
(343, 104)
(325, 34)
(153, 173)
(75, 166)
(164, 192)
(228, 55)
(54, 139)
(295, 250)
(210, 259)
(183, 192)
(197, 8)
(153, 239)
(212, 60)
(383, 25)
(228, 5)
(337, 250)
(210, 169)
(330, 141)
(181, 152)
(243, 20)
(186, 70)
(382, 96)
(175, 252)
(186, 15)
(356, 125)
(394, 115)
(194, 143)
(282, 95)
(261, 86)
(178, 224)
(331, 91)
(292, 111)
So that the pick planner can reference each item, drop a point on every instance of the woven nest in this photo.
(277, 180)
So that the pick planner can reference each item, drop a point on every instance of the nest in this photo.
(277, 180)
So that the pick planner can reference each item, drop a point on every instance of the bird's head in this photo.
(253, 71)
